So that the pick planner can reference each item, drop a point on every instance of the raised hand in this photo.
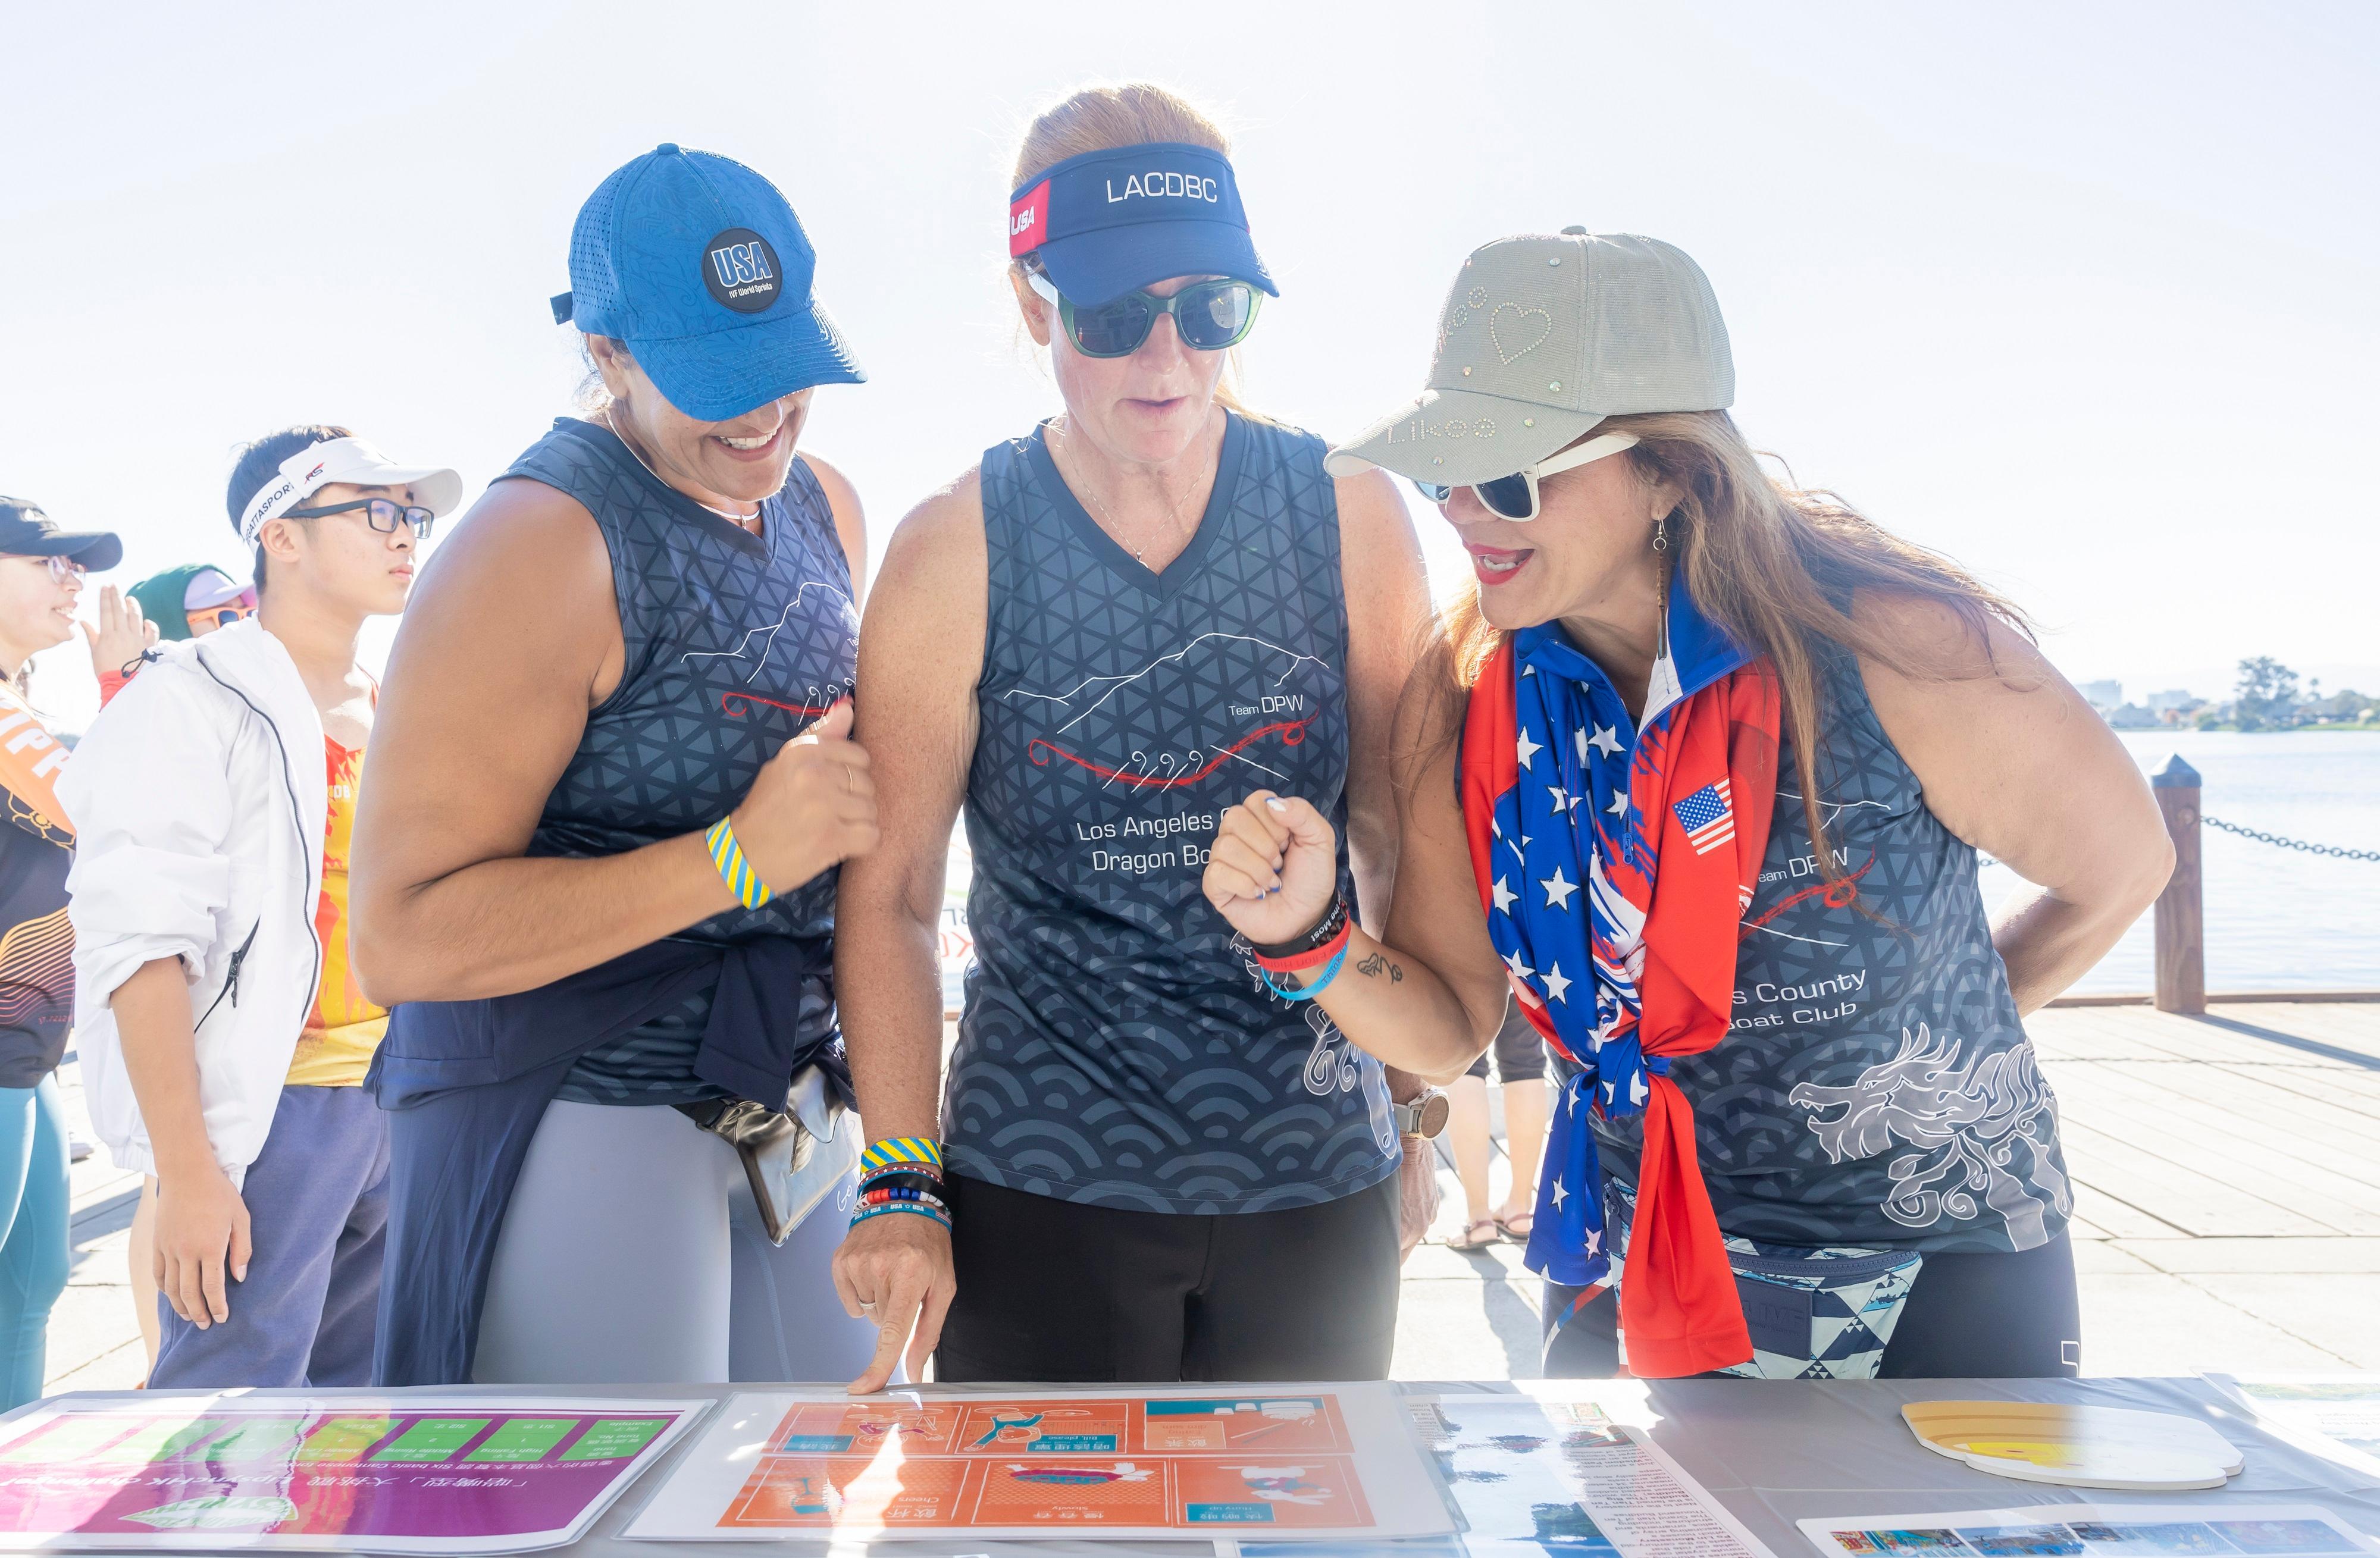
(1274, 868)
(813, 806)
(122, 634)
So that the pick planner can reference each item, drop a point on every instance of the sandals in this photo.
(1469, 1238)
(1518, 1228)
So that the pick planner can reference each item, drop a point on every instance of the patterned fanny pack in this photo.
(1813, 1314)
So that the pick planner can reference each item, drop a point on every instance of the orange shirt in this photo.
(344, 1028)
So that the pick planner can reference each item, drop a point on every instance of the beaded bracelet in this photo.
(903, 1151)
(727, 855)
(889, 1198)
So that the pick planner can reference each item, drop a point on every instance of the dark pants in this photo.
(317, 1200)
(1054, 1293)
(1980, 1315)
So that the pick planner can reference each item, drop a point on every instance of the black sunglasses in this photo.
(380, 514)
(1210, 316)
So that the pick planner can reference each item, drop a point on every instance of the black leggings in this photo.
(1054, 1293)
(1984, 1315)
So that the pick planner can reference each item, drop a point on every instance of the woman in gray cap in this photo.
(1702, 774)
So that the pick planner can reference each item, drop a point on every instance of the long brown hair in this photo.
(1775, 565)
(1109, 119)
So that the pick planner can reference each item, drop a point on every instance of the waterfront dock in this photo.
(2227, 1170)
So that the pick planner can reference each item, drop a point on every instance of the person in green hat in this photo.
(193, 601)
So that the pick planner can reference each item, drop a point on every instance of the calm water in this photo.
(2276, 919)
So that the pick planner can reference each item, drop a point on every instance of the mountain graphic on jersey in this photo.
(1141, 729)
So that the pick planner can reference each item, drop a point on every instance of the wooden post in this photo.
(2180, 908)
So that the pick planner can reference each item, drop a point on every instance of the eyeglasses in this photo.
(61, 568)
(1515, 496)
(218, 616)
(1210, 316)
(380, 514)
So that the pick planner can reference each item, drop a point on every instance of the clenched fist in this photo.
(813, 806)
(1274, 868)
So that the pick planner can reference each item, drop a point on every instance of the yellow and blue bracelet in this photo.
(903, 1151)
(733, 869)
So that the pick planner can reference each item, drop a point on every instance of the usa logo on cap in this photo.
(741, 271)
(1028, 220)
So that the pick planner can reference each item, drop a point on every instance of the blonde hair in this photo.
(1109, 119)
(1773, 564)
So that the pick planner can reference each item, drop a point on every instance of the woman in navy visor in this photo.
(1147, 1165)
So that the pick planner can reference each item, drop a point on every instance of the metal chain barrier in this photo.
(2299, 844)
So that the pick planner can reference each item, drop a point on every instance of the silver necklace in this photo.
(743, 522)
(1059, 424)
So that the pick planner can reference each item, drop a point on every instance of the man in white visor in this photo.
(224, 1037)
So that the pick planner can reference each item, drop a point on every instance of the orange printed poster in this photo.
(1333, 1460)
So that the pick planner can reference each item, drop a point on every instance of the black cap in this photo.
(26, 531)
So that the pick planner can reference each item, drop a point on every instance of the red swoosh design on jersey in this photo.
(1291, 731)
(727, 701)
(1840, 893)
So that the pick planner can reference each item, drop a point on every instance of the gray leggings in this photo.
(631, 1254)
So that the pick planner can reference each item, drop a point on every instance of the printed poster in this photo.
(1557, 1476)
(1292, 1461)
(422, 1473)
(2083, 1530)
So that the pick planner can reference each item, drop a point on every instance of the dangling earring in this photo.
(1661, 586)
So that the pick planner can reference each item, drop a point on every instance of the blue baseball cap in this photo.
(1109, 223)
(699, 265)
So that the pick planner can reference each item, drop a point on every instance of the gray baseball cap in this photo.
(1544, 336)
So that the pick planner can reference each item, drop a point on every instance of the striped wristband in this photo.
(903, 1151)
(733, 869)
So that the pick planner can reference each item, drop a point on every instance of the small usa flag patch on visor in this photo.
(1708, 816)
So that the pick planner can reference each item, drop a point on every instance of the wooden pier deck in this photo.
(2228, 1215)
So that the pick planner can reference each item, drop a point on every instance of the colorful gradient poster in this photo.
(450, 1473)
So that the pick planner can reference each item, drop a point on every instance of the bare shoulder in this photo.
(1934, 643)
(519, 532)
(938, 546)
(525, 581)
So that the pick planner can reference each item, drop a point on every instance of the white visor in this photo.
(354, 462)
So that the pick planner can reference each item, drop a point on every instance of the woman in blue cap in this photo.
(596, 864)
(1147, 1166)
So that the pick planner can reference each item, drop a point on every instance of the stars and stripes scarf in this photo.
(1615, 865)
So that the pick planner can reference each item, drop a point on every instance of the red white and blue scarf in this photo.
(1615, 865)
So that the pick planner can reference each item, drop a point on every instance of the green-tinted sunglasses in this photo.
(1210, 316)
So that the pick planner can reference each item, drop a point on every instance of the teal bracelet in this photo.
(733, 869)
(1329, 972)
(895, 1208)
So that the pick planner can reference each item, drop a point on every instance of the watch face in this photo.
(1435, 1108)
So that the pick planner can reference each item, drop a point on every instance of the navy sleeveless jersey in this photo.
(1117, 1047)
(1875, 1086)
(734, 642)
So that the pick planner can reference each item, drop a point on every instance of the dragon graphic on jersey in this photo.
(1966, 1123)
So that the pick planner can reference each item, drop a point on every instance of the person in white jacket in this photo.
(223, 1039)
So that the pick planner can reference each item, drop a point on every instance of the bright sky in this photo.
(2084, 296)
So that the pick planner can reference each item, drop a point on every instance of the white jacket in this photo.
(199, 800)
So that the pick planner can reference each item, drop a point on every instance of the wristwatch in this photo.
(1424, 1113)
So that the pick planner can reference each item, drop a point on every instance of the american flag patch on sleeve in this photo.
(1708, 817)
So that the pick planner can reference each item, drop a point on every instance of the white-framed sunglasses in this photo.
(1515, 496)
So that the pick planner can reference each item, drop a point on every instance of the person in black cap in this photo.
(1146, 1165)
(597, 863)
(42, 571)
